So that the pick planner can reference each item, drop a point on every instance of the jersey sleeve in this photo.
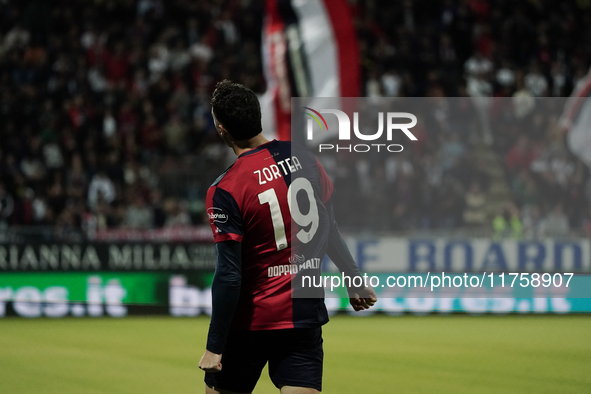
(225, 293)
(223, 214)
(325, 183)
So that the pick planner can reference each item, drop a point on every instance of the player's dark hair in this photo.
(237, 109)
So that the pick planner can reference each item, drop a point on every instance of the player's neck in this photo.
(245, 146)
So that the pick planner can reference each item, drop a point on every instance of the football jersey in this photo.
(272, 200)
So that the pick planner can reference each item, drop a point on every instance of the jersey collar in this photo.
(259, 148)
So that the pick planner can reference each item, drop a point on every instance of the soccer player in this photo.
(272, 220)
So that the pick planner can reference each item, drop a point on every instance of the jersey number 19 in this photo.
(303, 220)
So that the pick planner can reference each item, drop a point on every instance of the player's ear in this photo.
(224, 134)
(223, 131)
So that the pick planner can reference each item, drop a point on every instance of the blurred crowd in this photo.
(473, 47)
(495, 58)
(105, 108)
(105, 115)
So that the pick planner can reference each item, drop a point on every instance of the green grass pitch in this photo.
(378, 354)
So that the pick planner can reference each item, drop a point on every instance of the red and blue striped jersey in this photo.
(272, 200)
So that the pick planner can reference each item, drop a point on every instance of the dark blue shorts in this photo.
(294, 355)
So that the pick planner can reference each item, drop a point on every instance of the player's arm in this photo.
(225, 221)
(337, 249)
(225, 292)
(362, 297)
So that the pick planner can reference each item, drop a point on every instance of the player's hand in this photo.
(363, 299)
(211, 362)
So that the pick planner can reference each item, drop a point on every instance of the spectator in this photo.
(507, 223)
(372, 86)
(39, 207)
(6, 206)
(175, 134)
(16, 38)
(68, 225)
(555, 224)
(525, 189)
(179, 56)
(101, 189)
(139, 215)
(478, 69)
(391, 83)
(32, 168)
(451, 150)
(202, 51)
(151, 135)
(559, 79)
(475, 211)
(176, 213)
(532, 222)
(505, 76)
(53, 157)
(555, 160)
(520, 156)
(56, 196)
(449, 204)
(157, 207)
(96, 78)
(76, 179)
(535, 82)
(109, 124)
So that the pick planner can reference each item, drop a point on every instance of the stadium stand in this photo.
(105, 115)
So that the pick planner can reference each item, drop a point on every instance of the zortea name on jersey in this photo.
(275, 171)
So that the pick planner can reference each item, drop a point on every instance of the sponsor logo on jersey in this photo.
(296, 259)
(216, 215)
